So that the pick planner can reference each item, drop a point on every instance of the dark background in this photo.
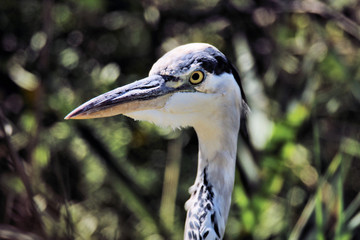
(116, 178)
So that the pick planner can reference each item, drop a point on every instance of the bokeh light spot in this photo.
(23, 78)
(38, 41)
(152, 15)
(109, 73)
(69, 58)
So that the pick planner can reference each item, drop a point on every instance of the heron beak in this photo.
(149, 93)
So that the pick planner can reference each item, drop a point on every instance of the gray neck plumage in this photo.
(209, 204)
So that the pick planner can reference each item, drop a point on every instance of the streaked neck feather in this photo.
(209, 204)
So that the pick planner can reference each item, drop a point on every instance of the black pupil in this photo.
(195, 76)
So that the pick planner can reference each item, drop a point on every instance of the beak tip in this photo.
(67, 117)
(72, 115)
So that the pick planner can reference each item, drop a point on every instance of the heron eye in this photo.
(197, 77)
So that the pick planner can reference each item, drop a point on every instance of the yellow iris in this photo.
(196, 77)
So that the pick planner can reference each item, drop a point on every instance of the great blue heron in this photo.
(192, 85)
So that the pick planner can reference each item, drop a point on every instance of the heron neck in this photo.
(217, 157)
(211, 194)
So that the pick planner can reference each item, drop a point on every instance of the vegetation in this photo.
(119, 179)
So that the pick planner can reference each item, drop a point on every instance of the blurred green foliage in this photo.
(119, 179)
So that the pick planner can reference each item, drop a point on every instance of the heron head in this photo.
(189, 84)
